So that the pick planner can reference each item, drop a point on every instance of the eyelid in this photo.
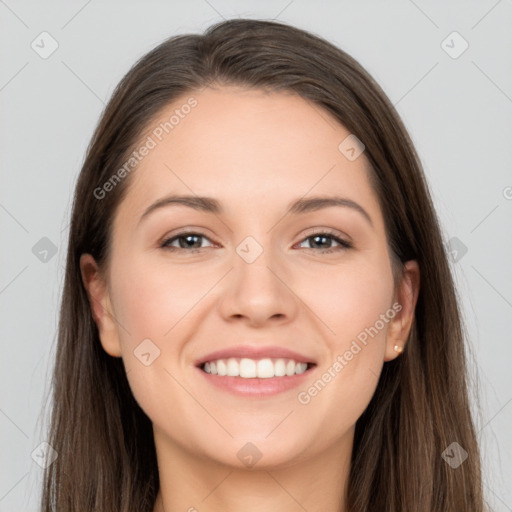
(186, 230)
(328, 231)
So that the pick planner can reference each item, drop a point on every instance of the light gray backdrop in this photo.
(453, 90)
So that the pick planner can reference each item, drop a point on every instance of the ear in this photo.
(101, 306)
(404, 305)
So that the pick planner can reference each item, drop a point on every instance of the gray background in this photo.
(458, 111)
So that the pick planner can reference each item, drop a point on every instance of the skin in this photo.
(255, 152)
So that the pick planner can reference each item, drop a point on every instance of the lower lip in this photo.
(257, 387)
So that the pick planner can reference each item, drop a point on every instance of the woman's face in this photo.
(253, 278)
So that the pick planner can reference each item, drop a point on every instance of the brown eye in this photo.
(325, 238)
(190, 242)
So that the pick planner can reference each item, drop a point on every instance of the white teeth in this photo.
(251, 368)
(221, 367)
(280, 368)
(290, 368)
(233, 368)
(247, 368)
(265, 369)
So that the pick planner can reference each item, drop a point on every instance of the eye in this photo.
(324, 237)
(189, 241)
(185, 241)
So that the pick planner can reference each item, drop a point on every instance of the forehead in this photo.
(249, 149)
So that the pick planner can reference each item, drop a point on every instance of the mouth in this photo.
(247, 368)
(256, 378)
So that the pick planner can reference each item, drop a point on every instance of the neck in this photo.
(189, 483)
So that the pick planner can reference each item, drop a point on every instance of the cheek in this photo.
(151, 311)
(150, 299)
(354, 304)
(155, 307)
(349, 298)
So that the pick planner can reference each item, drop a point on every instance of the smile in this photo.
(255, 378)
(246, 368)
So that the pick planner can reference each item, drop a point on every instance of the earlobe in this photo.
(100, 304)
(406, 297)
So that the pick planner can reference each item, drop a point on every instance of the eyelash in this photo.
(344, 245)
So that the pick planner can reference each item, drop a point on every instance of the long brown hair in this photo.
(106, 454)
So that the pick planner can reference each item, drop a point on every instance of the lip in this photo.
(255, 352)
(256, 388)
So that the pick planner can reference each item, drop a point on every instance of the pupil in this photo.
(189, 240)
(322, 237)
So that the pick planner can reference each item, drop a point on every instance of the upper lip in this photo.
(254, 352)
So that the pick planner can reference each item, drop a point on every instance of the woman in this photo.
(258, 312)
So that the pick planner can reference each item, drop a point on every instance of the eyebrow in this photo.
(297, 207)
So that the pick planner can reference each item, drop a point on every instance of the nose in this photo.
(258, 291)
